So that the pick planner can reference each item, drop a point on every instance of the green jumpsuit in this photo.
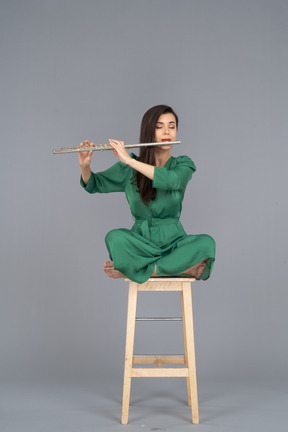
(157, 237)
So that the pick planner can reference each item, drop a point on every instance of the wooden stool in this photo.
(188, 359)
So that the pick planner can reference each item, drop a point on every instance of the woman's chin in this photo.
(165, 147)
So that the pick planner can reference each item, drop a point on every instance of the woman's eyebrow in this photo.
(169, 122)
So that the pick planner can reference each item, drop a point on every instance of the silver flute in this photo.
(102, 147)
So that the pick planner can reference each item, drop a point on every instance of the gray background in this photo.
(72, 70)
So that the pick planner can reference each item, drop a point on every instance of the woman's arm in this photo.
(84, 162)
(119, 150)
(113, 179)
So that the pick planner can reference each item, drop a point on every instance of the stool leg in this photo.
(185, 350)
(190, 346)
(131, 316)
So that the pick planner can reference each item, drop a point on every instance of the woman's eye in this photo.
(158, 127)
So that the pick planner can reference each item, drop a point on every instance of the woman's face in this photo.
(166, 129)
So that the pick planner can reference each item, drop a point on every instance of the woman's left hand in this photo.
(119, 150)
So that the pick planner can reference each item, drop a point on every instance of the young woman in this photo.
(154, 184)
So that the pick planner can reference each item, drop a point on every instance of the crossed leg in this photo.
(194, 271)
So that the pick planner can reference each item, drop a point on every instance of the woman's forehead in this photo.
(166, 118)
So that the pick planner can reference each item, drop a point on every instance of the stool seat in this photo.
(183, 285)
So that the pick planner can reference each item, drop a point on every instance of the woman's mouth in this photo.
(166, 139)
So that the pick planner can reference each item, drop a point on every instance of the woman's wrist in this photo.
(145, 169)
(86, 174)
(130, 162)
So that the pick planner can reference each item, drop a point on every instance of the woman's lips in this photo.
(166, 139)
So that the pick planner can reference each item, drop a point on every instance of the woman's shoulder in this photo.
(182, 161)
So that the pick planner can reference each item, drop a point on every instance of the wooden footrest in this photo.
(159, 372)
(146, 359)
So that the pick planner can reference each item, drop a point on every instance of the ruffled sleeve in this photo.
(176, 176)
(113, 179)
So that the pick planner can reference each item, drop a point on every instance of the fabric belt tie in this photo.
(146, 224)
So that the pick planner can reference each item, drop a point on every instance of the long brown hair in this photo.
(147, 135)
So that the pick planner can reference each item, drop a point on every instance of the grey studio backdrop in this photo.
(74, 70)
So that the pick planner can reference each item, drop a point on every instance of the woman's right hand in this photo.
(85, 156)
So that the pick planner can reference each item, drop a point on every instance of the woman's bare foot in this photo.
(154, 274)
(196, 270)
(109, 270)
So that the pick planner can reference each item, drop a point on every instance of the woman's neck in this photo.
(161, 157)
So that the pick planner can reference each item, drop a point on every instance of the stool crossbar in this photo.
(183, 285)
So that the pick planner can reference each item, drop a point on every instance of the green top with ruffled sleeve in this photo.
(170, 182)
